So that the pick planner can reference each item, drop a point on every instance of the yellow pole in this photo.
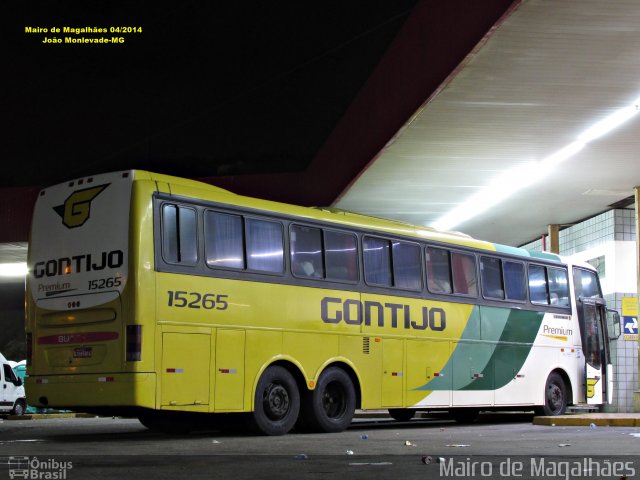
(554, 238)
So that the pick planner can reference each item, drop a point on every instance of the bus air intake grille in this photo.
(365, 345)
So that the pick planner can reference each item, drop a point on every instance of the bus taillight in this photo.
(134, 343)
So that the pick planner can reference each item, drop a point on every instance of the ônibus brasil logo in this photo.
(76, 209)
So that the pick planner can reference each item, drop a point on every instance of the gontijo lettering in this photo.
(78, 263)
(355, 312)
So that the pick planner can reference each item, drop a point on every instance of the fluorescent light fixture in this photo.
(521, 176)
(13, 269)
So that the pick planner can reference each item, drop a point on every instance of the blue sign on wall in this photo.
(630, 328)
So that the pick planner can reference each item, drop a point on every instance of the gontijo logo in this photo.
(77, 207)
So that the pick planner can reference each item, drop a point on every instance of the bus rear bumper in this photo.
(73, 392)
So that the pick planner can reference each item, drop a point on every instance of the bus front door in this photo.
(598, 368)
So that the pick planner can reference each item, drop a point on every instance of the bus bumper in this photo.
(92, 390)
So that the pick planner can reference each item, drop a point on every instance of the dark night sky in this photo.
(206, 89)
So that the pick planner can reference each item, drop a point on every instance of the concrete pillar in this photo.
(636, 394)
(554, 238)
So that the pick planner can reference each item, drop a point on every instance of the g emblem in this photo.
(77, 207)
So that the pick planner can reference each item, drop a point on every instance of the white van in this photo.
(12, 397)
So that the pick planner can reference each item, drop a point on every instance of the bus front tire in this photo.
(277, 402)
(555, 396)
(330, 407)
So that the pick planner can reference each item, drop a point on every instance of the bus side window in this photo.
(586, 283)
(465, 281)
(224, 244)
(306, 252)
(514, 281)
(491, 275)
(265, 251)
(377, 261)
(179, 234)
(406, 265)
(538, 285)
(438, 270)
(341, 256)
(558, 286)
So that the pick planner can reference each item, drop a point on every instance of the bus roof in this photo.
(183, 187)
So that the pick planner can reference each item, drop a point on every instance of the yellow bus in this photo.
(170, 300)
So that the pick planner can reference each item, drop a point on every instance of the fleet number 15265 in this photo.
(208, 301)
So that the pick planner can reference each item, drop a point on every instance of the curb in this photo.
(599, 420)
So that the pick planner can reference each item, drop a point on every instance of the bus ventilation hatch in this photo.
(365, 345)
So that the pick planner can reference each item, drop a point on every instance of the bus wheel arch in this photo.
(330, 406)
(558, 394)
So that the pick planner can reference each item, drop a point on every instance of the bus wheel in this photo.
(555, 396)
(402, 414)
(277, 402)
(330, 407)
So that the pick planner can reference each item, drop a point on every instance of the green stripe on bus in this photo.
(491, 351)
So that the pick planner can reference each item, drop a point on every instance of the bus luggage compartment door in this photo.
(185, 369)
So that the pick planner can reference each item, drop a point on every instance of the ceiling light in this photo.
(521, 176)
(13, 269)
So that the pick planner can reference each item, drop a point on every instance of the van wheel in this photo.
(277, 402)
(18, 408)
(330, 407)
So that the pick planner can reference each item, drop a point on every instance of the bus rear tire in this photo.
(277, 402)
(555, 396)
(330, 407)
(402, 414)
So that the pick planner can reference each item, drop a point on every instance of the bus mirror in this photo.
(614, 322)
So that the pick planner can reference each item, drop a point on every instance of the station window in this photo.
(179, 234)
